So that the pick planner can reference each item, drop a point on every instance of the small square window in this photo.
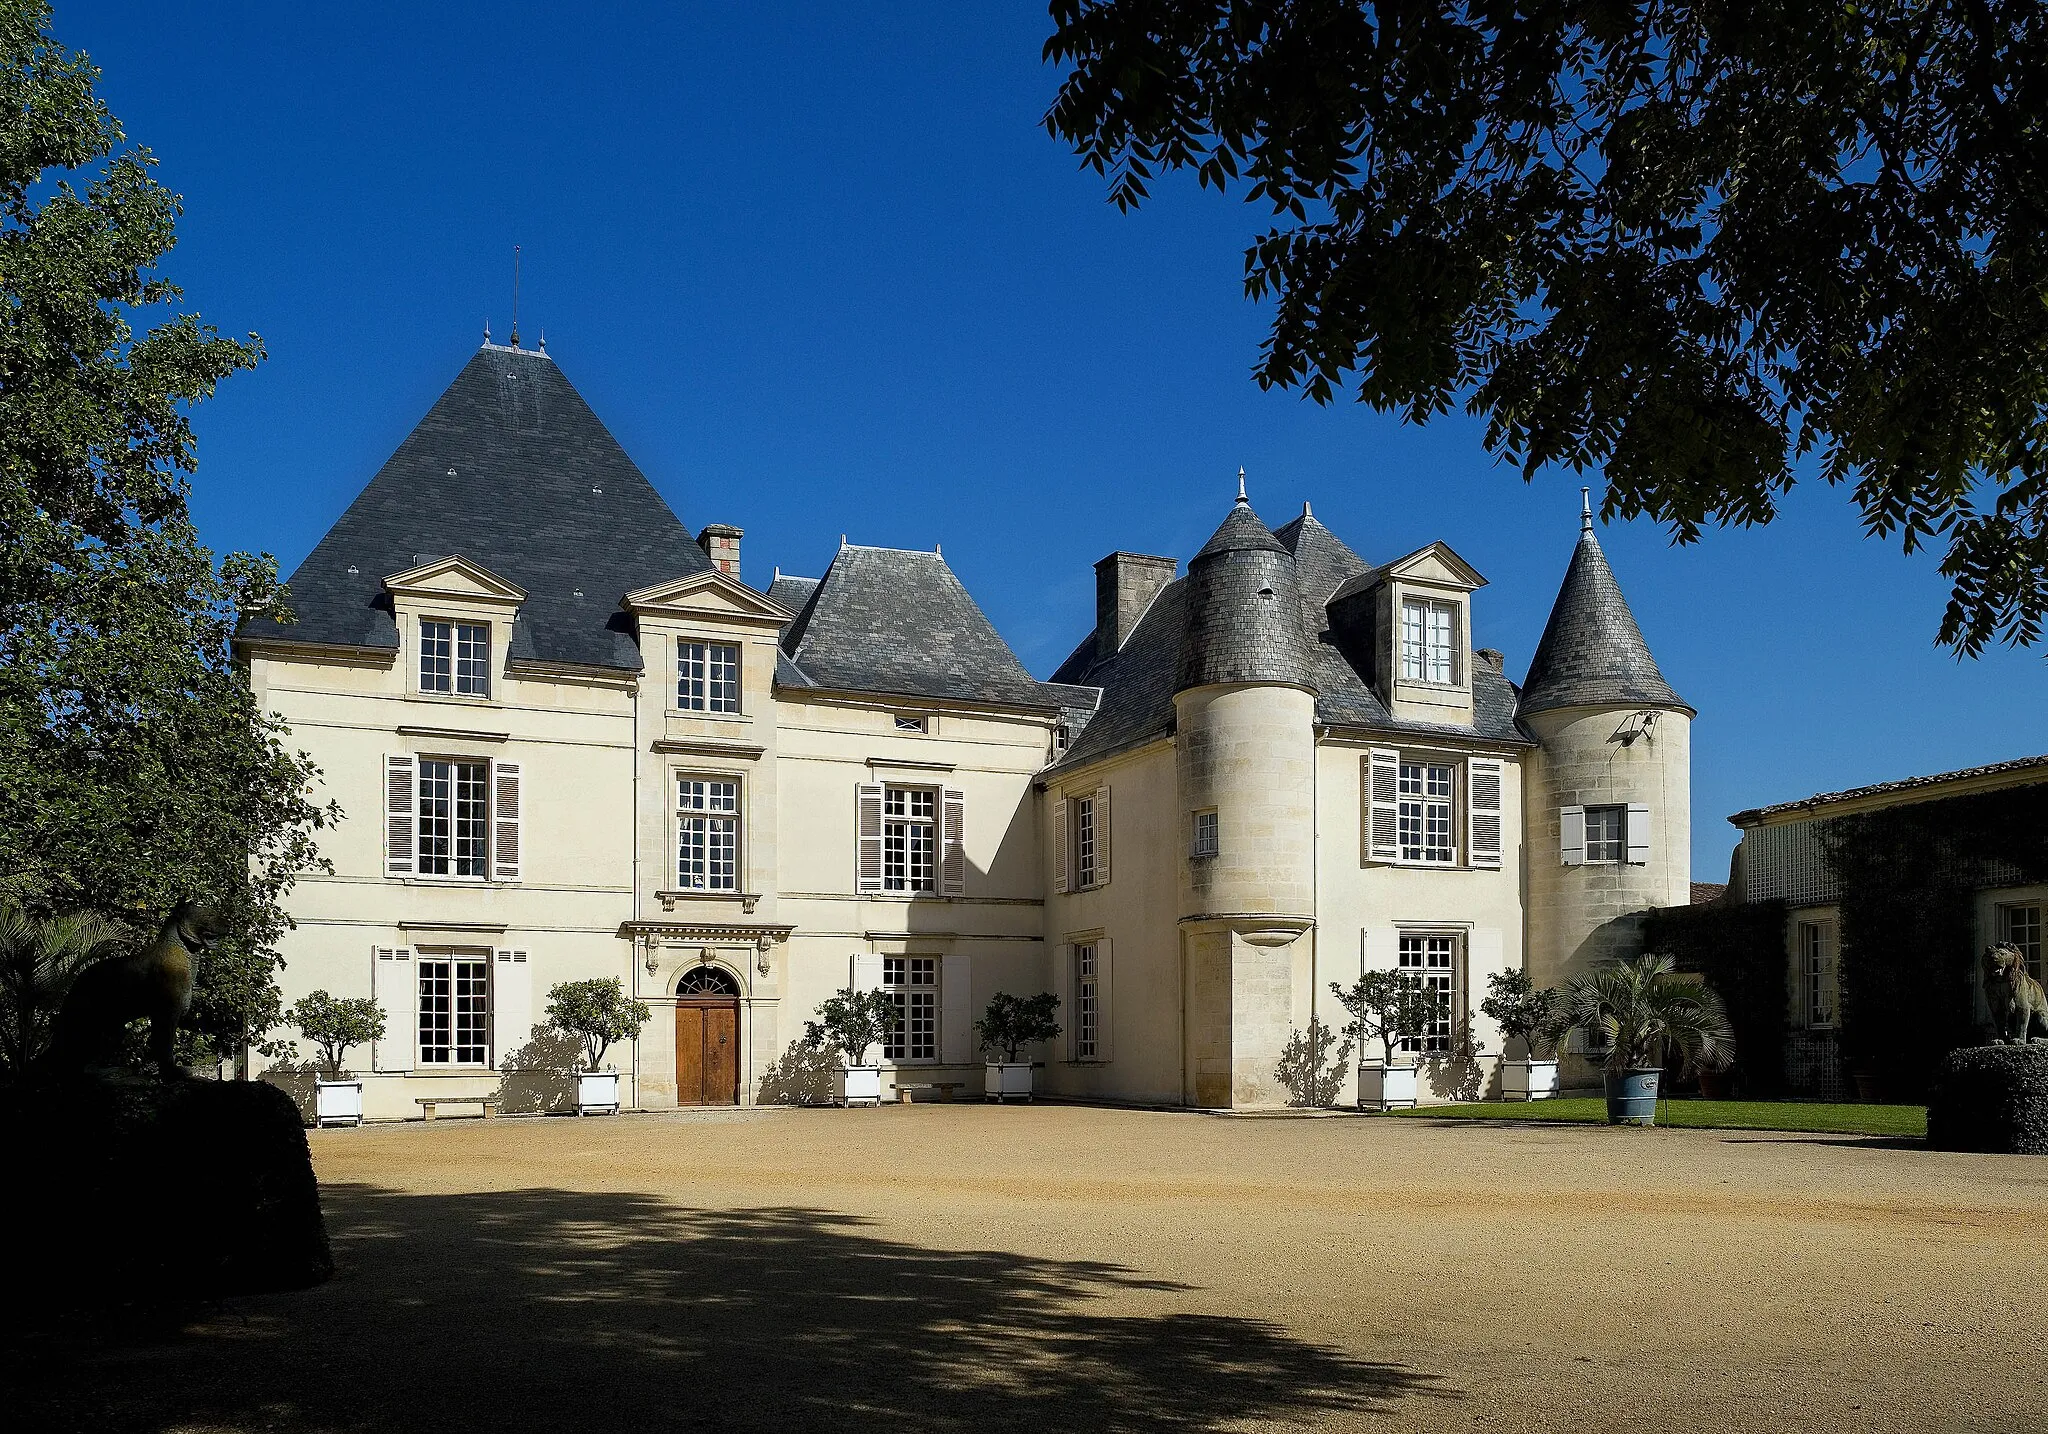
(1606, 834)
(1205, 833)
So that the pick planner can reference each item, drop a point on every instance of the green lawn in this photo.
(1909, 1121)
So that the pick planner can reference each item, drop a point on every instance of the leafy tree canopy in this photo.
(136, 768)
(598, 1012)
(1689, 242)
(334, 1023)
(1013, 1022)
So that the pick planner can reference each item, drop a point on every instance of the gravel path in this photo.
(1050, 1268)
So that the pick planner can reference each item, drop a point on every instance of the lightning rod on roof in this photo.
(1240, 487)
(515, 296)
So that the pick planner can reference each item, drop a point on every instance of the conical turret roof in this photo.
(1243, 609)
(1241, 532)
(1592, 653)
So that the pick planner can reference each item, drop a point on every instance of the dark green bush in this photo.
(1991, 1098)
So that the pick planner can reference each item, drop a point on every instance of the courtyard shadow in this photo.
(531, 1310)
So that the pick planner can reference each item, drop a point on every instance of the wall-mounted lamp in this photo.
(1636, 724)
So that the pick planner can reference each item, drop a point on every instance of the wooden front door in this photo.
(707, 1051)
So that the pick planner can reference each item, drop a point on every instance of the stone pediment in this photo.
(1438, 566)
(455, 577)
(709, 594)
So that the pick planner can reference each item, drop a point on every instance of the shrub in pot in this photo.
(1008, 1025)
(1646, 1013)
(1391, 1008)
(1533, 1016)
(597, 1013)
(852, 1023)
(334, 1023)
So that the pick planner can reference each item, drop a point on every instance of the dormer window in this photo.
(1428, 645)
(455, 657)
(707, 676)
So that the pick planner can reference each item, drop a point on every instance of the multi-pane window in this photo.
(1432, 963)
(912, 982)
(1816, 972)
(1426, 645)
(455, 657)
(1087, 1004)
(707, 834)
(1205, 834)
(909, 838)
(455, 1011)
(2021, 925)
(454, 817)
(1084, 842)
(1606, 834)
(1425, 812)
(707, 676)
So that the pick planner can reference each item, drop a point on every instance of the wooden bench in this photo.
(426, 1103)
(945, 1088)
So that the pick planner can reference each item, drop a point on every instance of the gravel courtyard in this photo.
(1053, 1268)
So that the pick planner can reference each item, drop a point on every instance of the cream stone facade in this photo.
(570, 742)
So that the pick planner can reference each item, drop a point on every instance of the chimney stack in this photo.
(721, 543)
(1125, 584)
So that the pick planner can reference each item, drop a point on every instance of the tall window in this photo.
(455, 809)
(1206, 841)
(1425, 813)
(1087, 1004)
(1816, 971)
(1606, 834)
(707, 834)
(2021, 925)
(913, 984)
(455, 657)
(455, 1011)
(707, 676)
(909, 838)
(1432, 963)
(1084, 842)
(1426, 645)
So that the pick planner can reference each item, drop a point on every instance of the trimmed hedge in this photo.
(1739, 951)
(1991, 1098)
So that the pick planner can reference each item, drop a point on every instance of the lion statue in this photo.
(2018, 1003)
(155, 982)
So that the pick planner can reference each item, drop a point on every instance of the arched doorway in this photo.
(707, 1037)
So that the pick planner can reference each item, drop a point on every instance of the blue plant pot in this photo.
(1632, 1095)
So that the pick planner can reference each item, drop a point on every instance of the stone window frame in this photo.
(465, 643)
(1207, 834)
(708, 676)
(709, 814)
(1453, 657)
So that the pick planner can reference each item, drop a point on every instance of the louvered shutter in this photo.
(395, 989)
(1571, 835)
(867, 875)
(401, 814)
(505, 826)
(956, 1010)
(1102, 836)
(1482, 810)
(1381, 771)
(1059, 843)
(867, 971)
(511, 1006)
(1105, 1014)
(953, 807)
(1638, 834)
(1063, 987)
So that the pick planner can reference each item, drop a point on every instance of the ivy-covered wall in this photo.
(1739, 951)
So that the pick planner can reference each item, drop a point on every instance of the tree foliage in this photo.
(850, 1022)
(1643, 1015)
(1013, 1022)
(39, 959)
(597, 1012)
(334, 1023)
(136, 768)
(1691, 242)
(1388, 1007)
(1525, 1012)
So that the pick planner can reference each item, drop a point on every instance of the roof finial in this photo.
(1240, 488)
(1585, 510)
(543, 340)
(1306, 511)
(487, 328)
(515, 296)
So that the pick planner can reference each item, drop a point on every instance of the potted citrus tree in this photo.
(1536, 1019)
(851, 1022)
(1390, 1008)
(1644, 1015)
(1008, 1025)
(334, 1023)
(597, 1012)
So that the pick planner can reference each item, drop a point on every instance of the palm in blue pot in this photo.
(1644, 1013)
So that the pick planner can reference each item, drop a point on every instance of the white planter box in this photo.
(338, 1102)
(1008, 1080)
(857, 1085)
(1528, 1080)
(597, 1092)
(1385, 1087)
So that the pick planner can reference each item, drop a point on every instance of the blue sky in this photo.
(820, 270)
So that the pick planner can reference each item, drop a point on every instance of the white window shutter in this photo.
(396, 990)
(956, 1010)
(1105, 984)
(1638, 834)
(1059, 843)
(867, 971)
(505, 825)
(953, 808)
(867, 875)
(1571, 835)
(401, 814)
(1102, 836)
(511, 1006)
(1063, 987)
(1381, 771)
(1482, 810)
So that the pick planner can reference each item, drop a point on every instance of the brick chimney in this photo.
(721, 543)
(1125, 584)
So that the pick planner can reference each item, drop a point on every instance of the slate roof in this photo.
(887, 620)
(1243, 609)
(1592, 654)
(511, 470)
(2015, 767)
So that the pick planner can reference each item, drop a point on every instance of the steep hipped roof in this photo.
(888, 620)
(511, 470)
(1592, 654)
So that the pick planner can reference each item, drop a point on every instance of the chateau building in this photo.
(571, 742)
